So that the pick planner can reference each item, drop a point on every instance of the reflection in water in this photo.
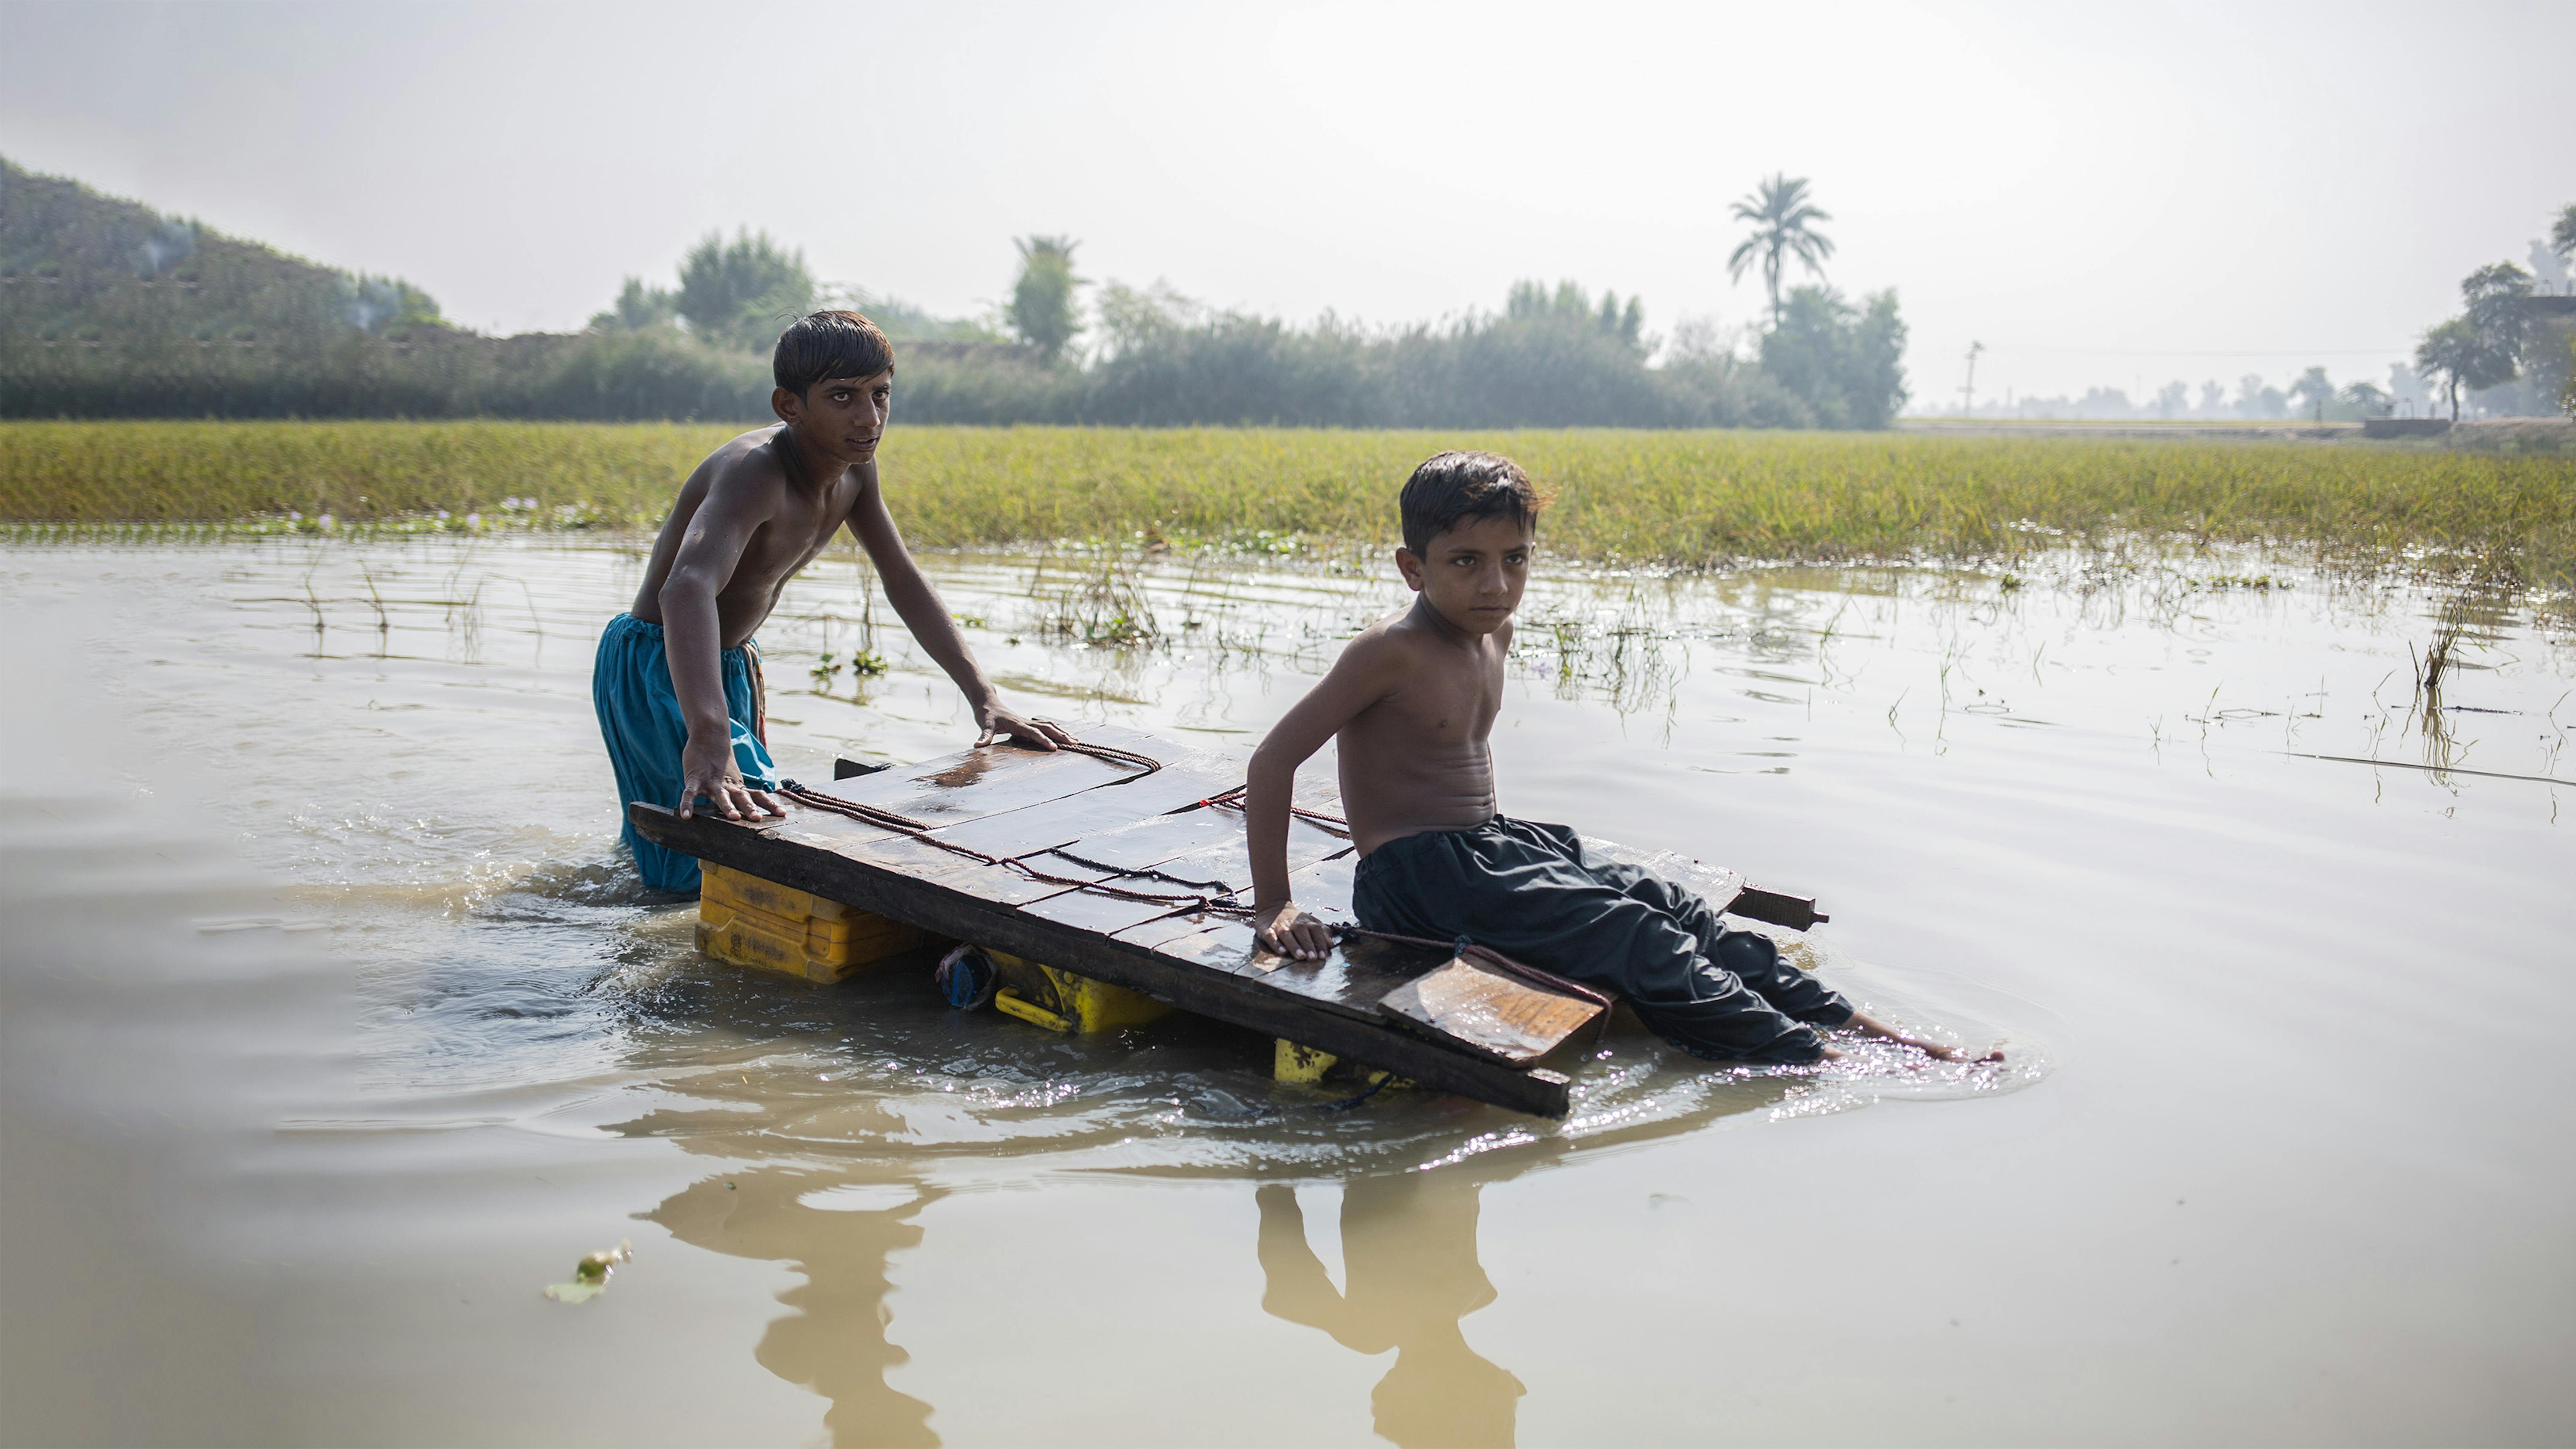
(509, 955)
(835, 1342)
(1409, 1260)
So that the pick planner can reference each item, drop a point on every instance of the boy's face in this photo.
(844, 416)
(1473, 574)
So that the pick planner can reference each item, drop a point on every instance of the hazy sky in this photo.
(2107, 194)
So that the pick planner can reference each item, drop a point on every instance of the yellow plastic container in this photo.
(1061, 1001)
(1300, 1065)
(753, 922)
(1303, 1066)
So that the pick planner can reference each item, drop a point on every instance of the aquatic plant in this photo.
(1682, 499)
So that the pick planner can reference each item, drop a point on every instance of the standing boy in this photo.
(677, 680)
(1413, 700)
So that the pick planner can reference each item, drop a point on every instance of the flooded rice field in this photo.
(336, 1031)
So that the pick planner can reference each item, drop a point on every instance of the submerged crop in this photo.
(1682, 499)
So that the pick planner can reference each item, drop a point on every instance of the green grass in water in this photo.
(1677, 498)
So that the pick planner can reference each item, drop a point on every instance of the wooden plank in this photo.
(1108, 915)
(1249, 1003)
(975, 783)
(1798, 913)
(1488, 1012)
(1150, 842)
(1003, 885)
(1325, 888)
(1095, 811)
(1162, 931)
(1229, 860)
(1351, 981)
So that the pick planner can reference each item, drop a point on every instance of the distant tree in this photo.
(1042, 307)
(2455, 353)
(2562, 235)
(638, 307)
(1569, 305)
(2173, 399)
(2494, 295)
(742, 293)
(2256, 401)
(1783, 226)
(2366, 400)
(2213, 399)
(1845, 363)
(2313, 391)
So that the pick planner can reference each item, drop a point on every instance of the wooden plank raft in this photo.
(1045, 855)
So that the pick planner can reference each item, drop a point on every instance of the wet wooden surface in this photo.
(1170, 854)
(1507, 1019)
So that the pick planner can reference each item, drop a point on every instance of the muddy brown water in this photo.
(335, 1031)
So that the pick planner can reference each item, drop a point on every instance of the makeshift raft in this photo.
(1122, 868)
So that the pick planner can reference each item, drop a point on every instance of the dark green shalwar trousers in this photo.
(1527, 891)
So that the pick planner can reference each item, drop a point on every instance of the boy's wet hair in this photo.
(1450, 487)
(829, 344)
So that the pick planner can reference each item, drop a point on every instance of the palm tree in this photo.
(1783, 226)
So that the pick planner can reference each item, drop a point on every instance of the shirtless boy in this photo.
(677, 680)
(1413, 700)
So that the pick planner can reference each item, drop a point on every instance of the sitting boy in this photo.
(677, 680)
(1413, 701)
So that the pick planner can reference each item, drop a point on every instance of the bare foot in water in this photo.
(1934, 1050)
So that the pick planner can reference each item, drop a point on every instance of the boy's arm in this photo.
(918, 605)
(693, 646)
(1366, 673)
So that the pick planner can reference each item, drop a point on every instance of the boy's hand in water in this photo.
(1037, 734)
(1289, 931)
(710, 773)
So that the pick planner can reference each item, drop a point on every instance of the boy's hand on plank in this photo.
(1034, 733)
(711, 774)
(1289, 931)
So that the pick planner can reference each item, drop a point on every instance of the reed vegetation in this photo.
(1668, 498)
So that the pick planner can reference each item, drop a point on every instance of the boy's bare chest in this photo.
(791, 539)
(1453, 704)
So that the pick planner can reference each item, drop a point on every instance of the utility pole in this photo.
(1968, 394)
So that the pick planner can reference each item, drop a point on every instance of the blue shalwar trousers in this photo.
(1528, 891)
(639, 717)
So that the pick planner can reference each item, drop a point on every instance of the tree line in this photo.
(109, 309)
(2500, 339)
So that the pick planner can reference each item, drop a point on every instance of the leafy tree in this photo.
(2494, 295)
(1042, 307)
(742, 294)
(1783, 226)
(2313, 391)
(1571, 306)
(1844, 362)
(2455, 353)
(2213, 398)
(2366, 400)
(2173, 399)
(2562, 235)
(638, 307)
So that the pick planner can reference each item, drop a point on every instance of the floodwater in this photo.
(335, 1031)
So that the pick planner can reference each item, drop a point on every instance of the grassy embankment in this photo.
(1684, 498)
